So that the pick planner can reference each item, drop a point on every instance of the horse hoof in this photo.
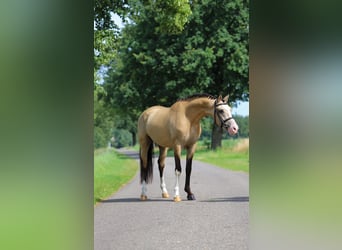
(165, 195)
(143, 197)
(177, 199)
(191, 197)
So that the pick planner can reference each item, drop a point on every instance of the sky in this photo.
(117, 20)
(242, 109)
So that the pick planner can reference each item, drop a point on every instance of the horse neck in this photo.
(198, 108)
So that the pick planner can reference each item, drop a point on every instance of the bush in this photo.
(100, 139)
(122, 138)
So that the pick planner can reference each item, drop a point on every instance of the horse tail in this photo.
(146, 173)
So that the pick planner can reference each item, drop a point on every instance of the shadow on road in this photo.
(229, 199)
(129, 200)
(130, 154)
(132, 200)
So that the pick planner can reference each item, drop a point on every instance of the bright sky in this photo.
(117, 20)
(242, 109)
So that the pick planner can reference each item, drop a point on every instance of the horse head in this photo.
(223, 115)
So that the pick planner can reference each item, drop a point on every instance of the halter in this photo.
(223, 122)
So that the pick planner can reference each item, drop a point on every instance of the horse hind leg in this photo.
(143, 195)
(161, 165)
(146, 164)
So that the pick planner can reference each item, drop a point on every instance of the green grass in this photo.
(226, 159)
(111, 171)
(233, 155)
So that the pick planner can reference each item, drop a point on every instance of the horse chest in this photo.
(191, 135)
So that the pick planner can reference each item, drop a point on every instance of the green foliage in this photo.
(105, 43)
(206, 125)
(100, 139)
(122, 138)
(210, 55)
(103, 122)
(243, 122)
(170, 49)
(171, 15)
(103, 10)
(105, 51)
(106, 32)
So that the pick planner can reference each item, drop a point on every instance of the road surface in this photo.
(218, 219)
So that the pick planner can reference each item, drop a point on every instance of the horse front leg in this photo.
(178, 171)
(189, 156)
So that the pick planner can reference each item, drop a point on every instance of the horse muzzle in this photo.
(233, 128)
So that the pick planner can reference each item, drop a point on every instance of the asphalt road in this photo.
(217, 219)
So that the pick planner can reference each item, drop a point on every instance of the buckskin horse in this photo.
(178, 127)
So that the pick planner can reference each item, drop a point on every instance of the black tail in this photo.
(146, 174)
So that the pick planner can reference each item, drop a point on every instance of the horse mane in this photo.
(189, 98)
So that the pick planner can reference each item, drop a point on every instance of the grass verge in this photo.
(233, 155)
(111, 171)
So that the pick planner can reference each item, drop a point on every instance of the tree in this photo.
(243, 122)
(106, 36)
(122, 138)
(103, 10)
(104, 52)
(103, 123)
(171, 16)
(127, 121)
(210, 55)
(106, 32)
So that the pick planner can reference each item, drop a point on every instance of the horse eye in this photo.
(221, 111)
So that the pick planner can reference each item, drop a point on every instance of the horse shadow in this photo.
(229, 199)
(132, 200)
(135, 200)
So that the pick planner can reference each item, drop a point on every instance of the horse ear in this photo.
(225, 99)
(219, 98)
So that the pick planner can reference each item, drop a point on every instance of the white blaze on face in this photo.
(233, 127)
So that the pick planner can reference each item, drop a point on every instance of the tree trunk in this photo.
(134, 138)
(216, 137)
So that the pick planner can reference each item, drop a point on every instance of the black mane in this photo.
(189, 98)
